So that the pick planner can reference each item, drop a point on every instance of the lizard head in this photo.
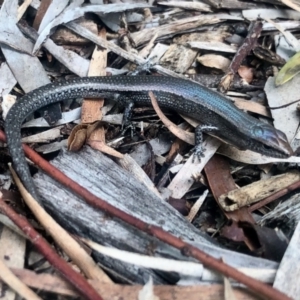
(271, 142)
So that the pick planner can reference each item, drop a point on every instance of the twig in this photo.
(285, 105)
(248, 44)
(187, 249)
(16, 284)
(281, 193)
(61, 237)
(188, 137)
(57, 262)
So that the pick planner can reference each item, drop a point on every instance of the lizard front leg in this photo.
(198, 150)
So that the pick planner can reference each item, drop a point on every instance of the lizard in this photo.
(220, 116)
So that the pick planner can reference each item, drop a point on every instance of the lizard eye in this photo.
(265, 133)
(257, 131)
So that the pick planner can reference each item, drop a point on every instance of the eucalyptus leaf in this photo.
(289, 70)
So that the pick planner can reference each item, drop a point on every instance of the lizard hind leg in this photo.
(127, 104)
(127, 123)
(127, 114)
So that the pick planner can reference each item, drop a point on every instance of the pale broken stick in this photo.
(185, 177)
(7, 276)
(62, 238)
(257, 191)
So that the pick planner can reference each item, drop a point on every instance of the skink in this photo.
(222, 118)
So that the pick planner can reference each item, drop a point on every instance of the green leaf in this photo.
(289, 70)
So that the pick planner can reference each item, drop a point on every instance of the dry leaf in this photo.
(246, 73)
(214, 61)
(96, 139)
(77, 137)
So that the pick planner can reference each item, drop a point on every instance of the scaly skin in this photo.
(183, 96)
